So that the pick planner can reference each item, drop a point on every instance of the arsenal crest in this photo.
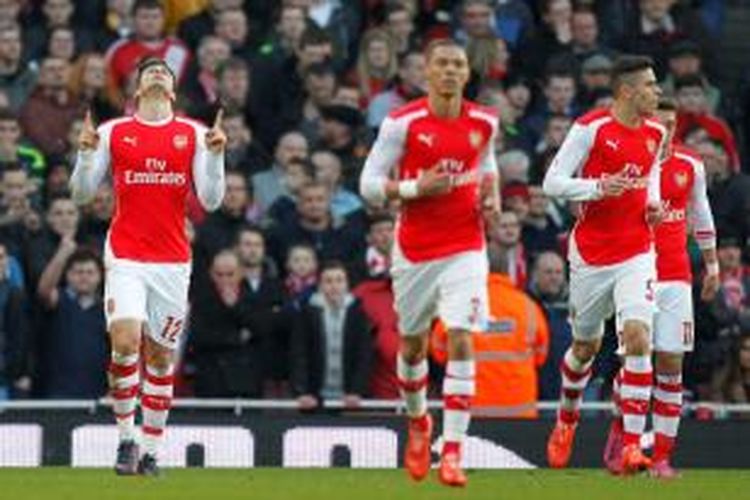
(651, 146)
(475, 139)
(180, 141)
(681, 179)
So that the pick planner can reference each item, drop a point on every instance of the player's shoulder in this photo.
(682, 152)
(481, 112)
(654, 124)
(412, 109)
(109, 125)
(595, 117)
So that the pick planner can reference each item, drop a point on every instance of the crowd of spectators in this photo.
(291, 295)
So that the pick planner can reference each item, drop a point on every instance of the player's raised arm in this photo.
(561, 180)
(208, 164)
(92, 161)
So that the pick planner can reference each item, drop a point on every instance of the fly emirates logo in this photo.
(633, 173)
(459, 176)
(155, 174)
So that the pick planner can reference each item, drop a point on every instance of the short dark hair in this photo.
(314, 36)
(7, 115)
(667, 103)
(333, 265)
(146, 4)
(84, 255)
(249, 228)
(374, 220)
(148, 62)
(694, 80)
(440, 42)
(320, 69)
(626, 65)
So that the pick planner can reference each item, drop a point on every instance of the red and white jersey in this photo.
(153, 165)
(609, 230)
(412, 139)
(683, 192)
(123, 58)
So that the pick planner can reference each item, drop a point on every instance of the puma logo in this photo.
(426, 139)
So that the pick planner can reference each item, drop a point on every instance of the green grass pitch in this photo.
(345, 484)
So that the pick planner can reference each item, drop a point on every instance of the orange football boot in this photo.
(417, 458)
(560, 444)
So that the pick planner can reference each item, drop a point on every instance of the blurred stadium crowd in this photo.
(291, 296)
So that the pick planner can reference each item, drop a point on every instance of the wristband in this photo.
(408, 189)
(712, 268)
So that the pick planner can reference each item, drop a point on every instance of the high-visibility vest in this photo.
(508, 353)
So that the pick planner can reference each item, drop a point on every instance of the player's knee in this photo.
(158, 356)
(585, 350)
(414, 348)
(459, 345)
(635, 336)
(668, 363)
(125, 336)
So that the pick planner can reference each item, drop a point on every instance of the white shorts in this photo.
(452, 288)
(597, 292)
(673, 321)
(156, 294)
(673, 324)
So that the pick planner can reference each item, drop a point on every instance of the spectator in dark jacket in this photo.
(315, 225)
(73, 346)
(219, 230)
(265, 292)
(226, 331)
(728, 193)
(550, 290)
(332, 344)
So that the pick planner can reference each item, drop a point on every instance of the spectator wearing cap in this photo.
(338, 132)
(410, 84)
(515, 196)
(540, 233)
(685, 59)
(728, 192)
(595, 76)
(693, 110)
